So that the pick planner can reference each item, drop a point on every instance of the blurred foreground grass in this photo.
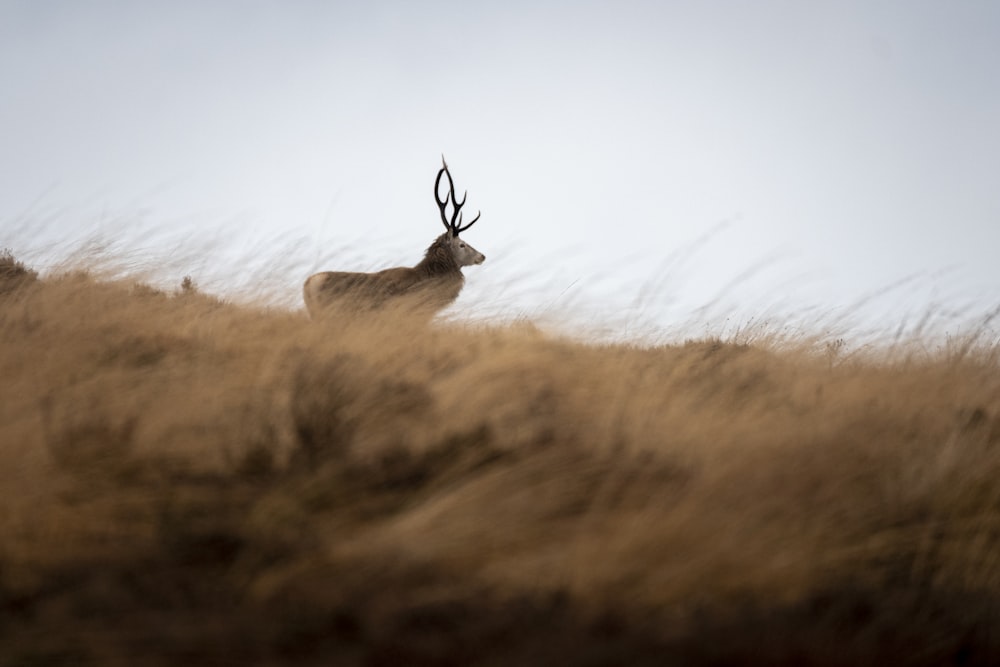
(188, 480)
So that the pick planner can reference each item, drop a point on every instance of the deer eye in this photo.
(461, 245)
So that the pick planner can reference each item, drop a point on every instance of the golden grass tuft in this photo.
(186, 479)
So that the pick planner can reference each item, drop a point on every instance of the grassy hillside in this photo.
(185, 480)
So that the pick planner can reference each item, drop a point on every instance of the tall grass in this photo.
(189, 479)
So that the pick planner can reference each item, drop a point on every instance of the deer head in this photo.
(464, 254)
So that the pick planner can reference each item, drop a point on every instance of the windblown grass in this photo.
(189, 480)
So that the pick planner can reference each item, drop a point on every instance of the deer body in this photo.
(429, 286)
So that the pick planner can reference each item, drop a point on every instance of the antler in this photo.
(455, 224)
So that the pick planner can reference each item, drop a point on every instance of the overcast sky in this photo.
(633, 160)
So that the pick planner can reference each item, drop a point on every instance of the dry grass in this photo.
(187, 480)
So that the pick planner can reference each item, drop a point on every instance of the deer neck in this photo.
(438, 261)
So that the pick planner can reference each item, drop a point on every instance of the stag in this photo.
(428, 287)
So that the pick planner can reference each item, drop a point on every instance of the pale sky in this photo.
(632, 160)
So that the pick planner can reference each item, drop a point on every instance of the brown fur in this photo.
(430, 286)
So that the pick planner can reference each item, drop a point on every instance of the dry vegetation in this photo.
(186, 480)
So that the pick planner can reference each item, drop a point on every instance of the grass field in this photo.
(187, 481)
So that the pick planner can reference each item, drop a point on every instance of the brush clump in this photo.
(189, 479)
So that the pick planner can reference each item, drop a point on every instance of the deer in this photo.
(428, 287)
